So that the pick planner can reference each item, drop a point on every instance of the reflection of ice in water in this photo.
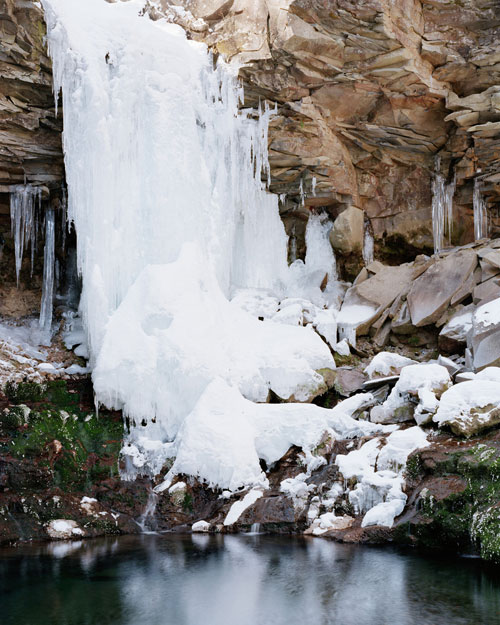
(231, 580)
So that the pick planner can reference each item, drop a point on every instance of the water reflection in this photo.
(237, 580)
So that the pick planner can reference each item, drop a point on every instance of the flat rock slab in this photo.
(348, 381)
(432, 292)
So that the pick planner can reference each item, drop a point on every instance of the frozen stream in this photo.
(240, 580)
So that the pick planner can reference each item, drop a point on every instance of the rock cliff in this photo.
(368, 95)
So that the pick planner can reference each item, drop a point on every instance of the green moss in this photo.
(18, 392)
(414, 466)
(187, 504)
(11, 419)
(468, 518)
(486, 532)
(347, 361)
(90, 446)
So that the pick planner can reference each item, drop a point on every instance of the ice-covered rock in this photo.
(415, 395)
(238, 507)
(454, 334)
(484, 338)
(470, 407)
(378, 472)
(62, 529)
(386, 364)
(200, 527)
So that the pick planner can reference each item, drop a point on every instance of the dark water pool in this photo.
(240, 580)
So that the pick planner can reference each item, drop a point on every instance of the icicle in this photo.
(480, 214)
(313, 185)
(368, 244)
(48, 273)
(293, 245)
(302, 193)
(24, 202)
(64, 218)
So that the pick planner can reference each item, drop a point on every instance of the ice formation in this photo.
(368, 244)
(480, 214)
(378, 471)
(415, 394)
(48, 273)
(442, 208)
(165, 191)
(24, 203)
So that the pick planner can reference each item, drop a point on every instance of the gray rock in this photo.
(432, 292)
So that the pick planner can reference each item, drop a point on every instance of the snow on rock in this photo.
(378, 472)
(459, 326)
(200, 526)
(329, 521)
(415, 395)
(298, 490)
(342, 348)
(88, 504)
(484, 338)
(385, 364)
(490, 373)
(238, 507)
(470, 407)
(63, 529)
(384, 513)
(223, 439)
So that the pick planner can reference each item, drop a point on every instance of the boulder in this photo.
(62, 529)
(484, 338)
(347, 233)
(348, 381)
(432, 292)
(387, 364)
(453, 336)
(470, 407)
(487, 291)
(415, 395)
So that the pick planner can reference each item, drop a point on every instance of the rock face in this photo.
(30, 134)
(368, 94)
(30, 140)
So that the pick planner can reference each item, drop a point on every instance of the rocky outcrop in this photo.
(368, 94)
(30, 133)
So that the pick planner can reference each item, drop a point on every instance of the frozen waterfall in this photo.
(165, 192)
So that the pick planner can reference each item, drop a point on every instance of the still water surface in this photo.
(240, 580)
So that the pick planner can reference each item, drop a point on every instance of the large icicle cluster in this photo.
(165, 191)
(25, 201)
(442, 208)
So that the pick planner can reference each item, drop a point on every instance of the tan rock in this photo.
(347, 233)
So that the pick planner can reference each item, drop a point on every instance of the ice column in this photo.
(442, 207)
(368, 244)
(480, 215)
(48, 272)
(319, 252)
